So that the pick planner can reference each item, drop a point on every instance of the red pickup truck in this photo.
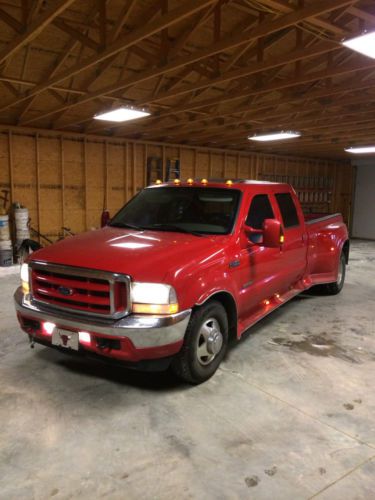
(179, 270)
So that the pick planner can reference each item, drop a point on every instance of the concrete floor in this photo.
(290, 415)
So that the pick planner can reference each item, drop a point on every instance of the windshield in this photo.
(181, 209)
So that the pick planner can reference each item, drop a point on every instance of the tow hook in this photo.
(32, 341)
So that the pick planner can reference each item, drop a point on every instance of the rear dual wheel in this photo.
(205, 344)
(336, 287)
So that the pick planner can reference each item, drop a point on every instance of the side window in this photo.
(287, 209)
(260, 209)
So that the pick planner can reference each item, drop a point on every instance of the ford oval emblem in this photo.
(65, 290)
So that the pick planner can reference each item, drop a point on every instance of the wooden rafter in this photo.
(132, 38)
(211, 72)
(228, 42)
(34, 29)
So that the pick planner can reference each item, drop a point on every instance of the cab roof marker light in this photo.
(158, 181)
(204, 181)
(229, 182)
(364, 44)
(177, 182)
(190, 181)
(361, 150)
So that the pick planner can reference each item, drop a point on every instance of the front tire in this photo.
(336, 287)
(205, 344)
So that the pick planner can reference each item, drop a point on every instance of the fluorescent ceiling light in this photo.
(361, 150)
(276, 136)
(122, 115)
(365, 44)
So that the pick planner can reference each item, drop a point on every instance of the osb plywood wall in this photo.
(67, 180)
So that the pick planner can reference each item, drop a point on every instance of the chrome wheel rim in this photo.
(340, 272)
(209, 342)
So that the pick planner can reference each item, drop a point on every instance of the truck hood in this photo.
(144, 255)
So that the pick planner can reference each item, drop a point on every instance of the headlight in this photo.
(24, 274)
(153, 298)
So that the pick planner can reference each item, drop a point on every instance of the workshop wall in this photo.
(67, 180)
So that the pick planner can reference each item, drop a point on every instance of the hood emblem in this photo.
(65, 290)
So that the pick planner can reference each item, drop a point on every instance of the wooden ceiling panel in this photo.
(210, 71)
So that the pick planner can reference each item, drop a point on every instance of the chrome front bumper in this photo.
(143, 331)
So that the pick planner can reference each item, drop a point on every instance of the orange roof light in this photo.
(158, 181)
(204, 181)
(190, 181)
(229, 182)
(177, 182)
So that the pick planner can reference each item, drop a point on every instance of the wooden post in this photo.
(134, 170)
(145, 166)
(86, 186)
(195, 163)
(62, 180)
(126, 157)
(163, 162)
(10, 165)
(106, 197)
(37, 178)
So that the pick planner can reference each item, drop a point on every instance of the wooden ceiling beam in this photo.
(34, 29)
(34, 10)
(285, 7)
(363, 133)
(11, 21)
(60, 61)
(253, 68)
(360, 65)
(339, 122)
(75, 34)
(174, 16)
(227, 42)
(362, 14)
(261, 116)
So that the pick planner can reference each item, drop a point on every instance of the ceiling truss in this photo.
(211, 72)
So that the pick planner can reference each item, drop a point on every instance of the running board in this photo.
(272, 303)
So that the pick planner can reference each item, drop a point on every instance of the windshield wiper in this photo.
(126, 225)
(173, 228)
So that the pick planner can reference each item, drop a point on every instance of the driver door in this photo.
(260, 267)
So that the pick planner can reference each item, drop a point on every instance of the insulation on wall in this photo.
(67, 180)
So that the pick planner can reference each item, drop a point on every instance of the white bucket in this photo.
(22, 234)
(6, 258)
(5, 245)
(4, 227)
(21, 216)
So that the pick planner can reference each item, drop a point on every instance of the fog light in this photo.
(84, 337)
(48, 327)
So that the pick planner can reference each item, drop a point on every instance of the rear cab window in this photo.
(288, 210)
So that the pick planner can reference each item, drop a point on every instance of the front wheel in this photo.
(205, 344)
(336, 287)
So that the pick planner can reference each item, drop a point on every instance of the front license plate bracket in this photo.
(65, 338)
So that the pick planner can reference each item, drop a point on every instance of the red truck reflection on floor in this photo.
(179, 270)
